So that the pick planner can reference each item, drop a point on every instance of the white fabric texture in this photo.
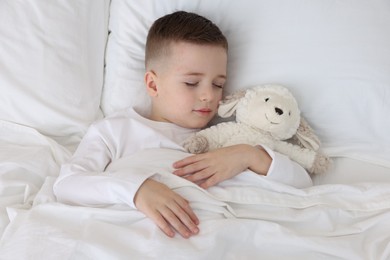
(333, 56)
(51, 65)
(246, 217)
(90, 178)
(27, 158)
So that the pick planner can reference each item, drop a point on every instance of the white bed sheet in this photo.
(27, 158)
(350, 171)
(243, 218)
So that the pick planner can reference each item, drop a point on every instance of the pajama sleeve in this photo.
(286, 171)
(85, 181)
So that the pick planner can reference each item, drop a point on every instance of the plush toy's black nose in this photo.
(278, 111)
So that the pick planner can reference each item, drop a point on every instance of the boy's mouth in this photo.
(203, 111)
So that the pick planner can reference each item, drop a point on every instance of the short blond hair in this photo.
(181, 26)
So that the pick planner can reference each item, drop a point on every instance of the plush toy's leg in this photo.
(321, 164)
(313, 161)
(196, 144)
(305, 157)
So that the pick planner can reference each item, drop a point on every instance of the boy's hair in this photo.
(181, 26)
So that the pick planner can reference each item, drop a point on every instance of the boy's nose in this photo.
(206, 95)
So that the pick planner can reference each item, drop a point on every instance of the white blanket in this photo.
(247, 217)
(26, 159)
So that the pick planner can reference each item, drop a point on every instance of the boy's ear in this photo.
(150, 83)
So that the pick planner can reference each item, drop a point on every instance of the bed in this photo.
(65, 64)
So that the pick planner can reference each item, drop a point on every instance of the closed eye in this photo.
(191, 84)
(217, 85)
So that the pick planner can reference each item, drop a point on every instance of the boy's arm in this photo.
(215, 166)
(287, 171)
(83, 180)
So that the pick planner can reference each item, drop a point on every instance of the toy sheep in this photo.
(266, 115)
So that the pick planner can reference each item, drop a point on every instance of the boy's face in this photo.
(186, 85)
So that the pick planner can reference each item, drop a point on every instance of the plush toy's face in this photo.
(271, 111)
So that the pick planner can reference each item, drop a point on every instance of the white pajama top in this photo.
(83, 180)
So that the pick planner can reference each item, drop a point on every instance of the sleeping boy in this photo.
(186, 70)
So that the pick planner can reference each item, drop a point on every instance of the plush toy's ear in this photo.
(306, 137)
(228, 106)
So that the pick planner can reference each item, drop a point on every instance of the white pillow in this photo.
(334, 56)
(52, 64)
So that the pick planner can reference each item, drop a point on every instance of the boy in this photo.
(186, 60)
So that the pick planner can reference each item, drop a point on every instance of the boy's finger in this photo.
(200, 176)
(163, 224)
(190, 169)
(213, 180)
(193, 218)
(186, 161)
(176, 223)
(189, 218)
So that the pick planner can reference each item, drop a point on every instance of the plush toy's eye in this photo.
(266, 99)
(289, 113)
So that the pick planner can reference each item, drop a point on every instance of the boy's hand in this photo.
(210, 168)
(166, 208)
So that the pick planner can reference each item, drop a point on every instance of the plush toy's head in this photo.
(271, 108)
(268, 115)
